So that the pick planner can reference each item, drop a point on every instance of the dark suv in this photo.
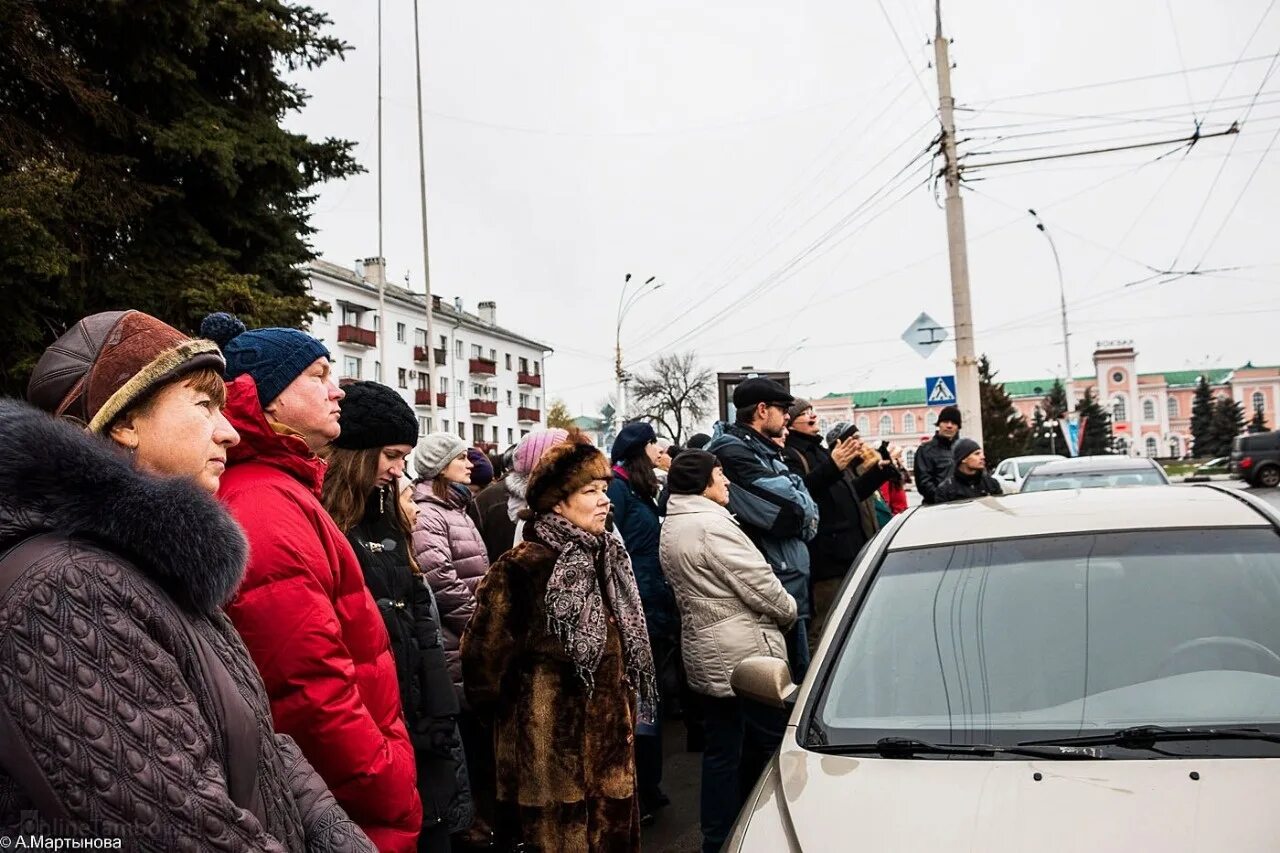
(1256, 459)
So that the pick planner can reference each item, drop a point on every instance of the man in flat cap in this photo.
(771, 503)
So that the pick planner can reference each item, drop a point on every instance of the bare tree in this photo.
(676, 394)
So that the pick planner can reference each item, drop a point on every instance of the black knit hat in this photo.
(950, 413)
(963, 448)
(374, 415)
(690, 472)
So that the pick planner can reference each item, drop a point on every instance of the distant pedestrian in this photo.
(633, 493)
(771, 503)
(970, 478)
(698, 441)
(361, 493)
(934, 461)
(732, 607)
(557, 657)
(131, 708)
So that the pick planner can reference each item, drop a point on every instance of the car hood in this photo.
(813, 802)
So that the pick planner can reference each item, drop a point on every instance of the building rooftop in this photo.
(444, 308)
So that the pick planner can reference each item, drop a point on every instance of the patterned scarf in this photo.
(576, 610)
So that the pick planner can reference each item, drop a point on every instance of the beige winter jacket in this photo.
(731, 603)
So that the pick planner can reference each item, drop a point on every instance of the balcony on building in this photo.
(438, 357)
(355, 335)
(530, 380)
(422, 397)
(483, 367)
(484, 407)
(526, 416)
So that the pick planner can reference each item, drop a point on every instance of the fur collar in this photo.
(55, 477)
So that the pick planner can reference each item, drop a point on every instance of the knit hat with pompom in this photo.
(274, 357)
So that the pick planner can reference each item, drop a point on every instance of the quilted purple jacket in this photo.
(451, 553)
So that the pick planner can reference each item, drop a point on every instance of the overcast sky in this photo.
(767, 161)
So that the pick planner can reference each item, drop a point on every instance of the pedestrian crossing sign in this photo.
(940, 390)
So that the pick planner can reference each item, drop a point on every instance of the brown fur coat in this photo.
(565, 765)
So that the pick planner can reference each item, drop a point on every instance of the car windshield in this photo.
(1025, 468)
(1004, 642)
(1042, 481)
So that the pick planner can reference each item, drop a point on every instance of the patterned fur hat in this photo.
(564, 469)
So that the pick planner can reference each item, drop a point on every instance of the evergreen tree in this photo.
(143, 164)
(1004, 430)
(1095, 437)
(1226, 423)
(1055, 402)
(1201, 421)
(1259, 422)
(1052, 407)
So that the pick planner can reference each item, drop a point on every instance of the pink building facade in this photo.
(1150, 412)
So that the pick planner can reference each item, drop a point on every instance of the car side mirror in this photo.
(766, 680)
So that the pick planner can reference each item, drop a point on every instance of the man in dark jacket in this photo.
(840, 530)
(933, 460)
(970, 478)
(771, 503)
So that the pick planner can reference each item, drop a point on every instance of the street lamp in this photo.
(1062, 297)
(625, 304)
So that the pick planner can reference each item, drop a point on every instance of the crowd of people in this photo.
(245, 606)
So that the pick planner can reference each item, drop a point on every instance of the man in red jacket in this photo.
(303, 608)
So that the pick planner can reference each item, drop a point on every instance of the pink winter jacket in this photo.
(452, 556)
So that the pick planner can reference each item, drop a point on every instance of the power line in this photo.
(1177, 43)
(906, 56)
(1188, 140)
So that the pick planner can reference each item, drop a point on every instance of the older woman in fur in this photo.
(555, 656)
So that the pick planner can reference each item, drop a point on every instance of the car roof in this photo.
(1095, 463)
(1075, 511)
(1045, 456)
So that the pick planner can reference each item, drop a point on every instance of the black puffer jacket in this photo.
(933, 465)
(838, 494)
(960, 486)
(426, 689)
(129, 707)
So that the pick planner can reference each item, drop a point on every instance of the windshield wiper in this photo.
(1143, 737)
(906, 747)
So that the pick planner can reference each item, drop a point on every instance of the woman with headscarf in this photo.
(361, 487)
(555, 656)
(131, 708)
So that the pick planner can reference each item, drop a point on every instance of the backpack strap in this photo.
(16, 757)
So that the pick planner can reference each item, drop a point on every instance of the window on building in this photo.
(444, 343)
(507, 359)
(477, 351)
(909, 422)
(537, 401)
(400, 331)
(350, 367)
(495, 435)
(523, 433)
(444, 425)
(886, 425)
(536, 368)
(493, 356)
(420, 338)
(350, 316)
(511, 436)
(864, 424)
(402, 377)
(377, 322)
(1119, 410)
(1152, 446)
(524, 401)
(508, 398)
(1149, 411)
(524, 365)
(480, 392)
(458, 348)
(462, 390)
(1175, 451)
(909, 458)
(1259, 401)
(424, 381)
(377, 371)
(424, 426)
(1172, 407)
(462, 431)
(477, 433)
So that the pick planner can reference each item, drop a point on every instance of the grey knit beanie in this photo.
(434, 453)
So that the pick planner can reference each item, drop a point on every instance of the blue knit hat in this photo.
(273, 357)
(631, 441)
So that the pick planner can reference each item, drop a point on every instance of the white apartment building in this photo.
(488, 379)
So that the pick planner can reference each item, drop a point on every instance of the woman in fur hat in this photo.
(555, 656)
(361, 493)
(131, 709)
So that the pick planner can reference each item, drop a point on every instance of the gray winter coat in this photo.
(129, 707)
(731, 603)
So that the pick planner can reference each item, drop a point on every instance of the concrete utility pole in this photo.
(966, 363)
(432, 390)
(382, 282)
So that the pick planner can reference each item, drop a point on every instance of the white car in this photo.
(1091, 670)
(1012, 471)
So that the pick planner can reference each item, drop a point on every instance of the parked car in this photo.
(1256, 459)
(1095, 472)
(1203, 473)
(1012, 471)
(991, 666)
